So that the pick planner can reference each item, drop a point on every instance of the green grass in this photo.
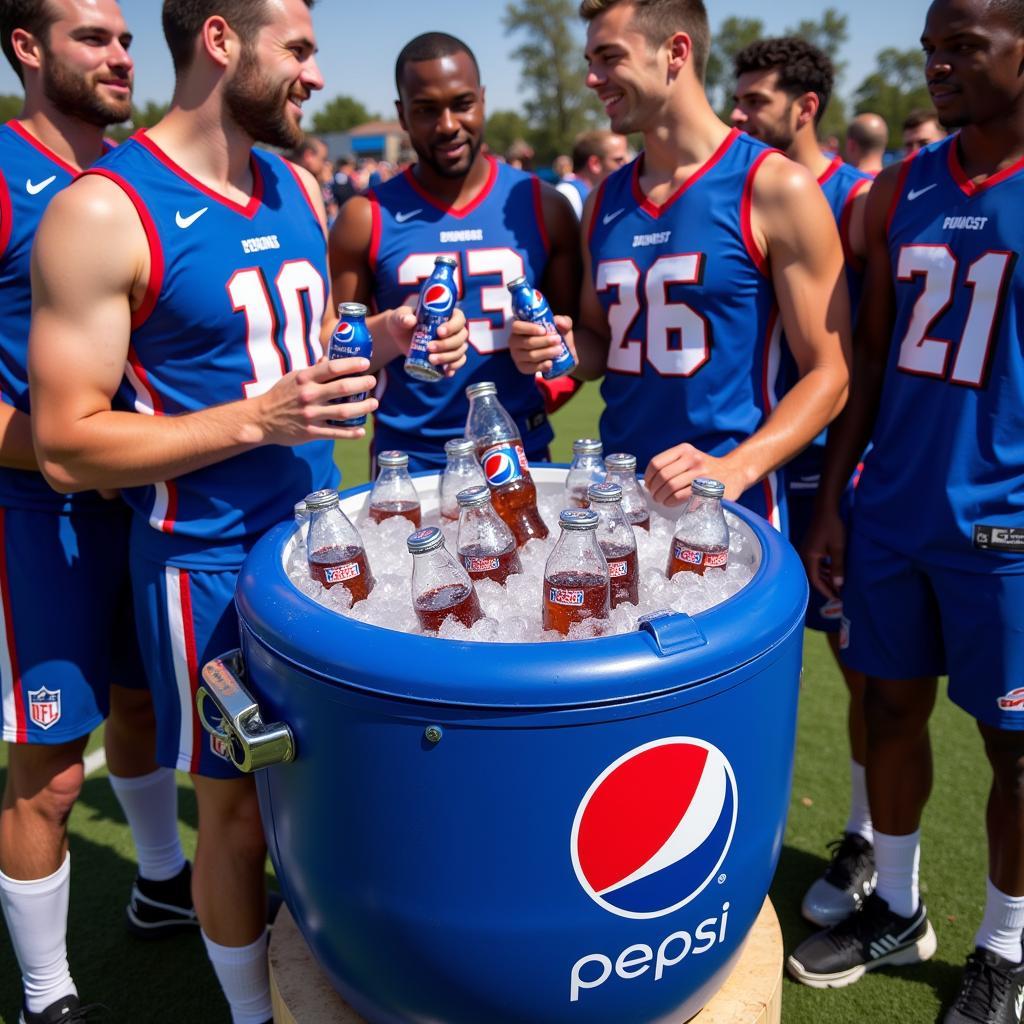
(171, 982)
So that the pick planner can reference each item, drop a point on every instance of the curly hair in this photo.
(802, 68)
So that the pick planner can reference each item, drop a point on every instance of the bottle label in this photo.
(616, 569)
(504, 464)
(569, 598)
(340, 573)
(480, 564)
(709, 559)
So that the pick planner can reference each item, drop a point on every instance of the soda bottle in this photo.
(701, 540)
(500, 451)
(622, 471)
(486, 547)
(440, 586)
(351, 338)
(618, 545)
(576, 573)
(394, 493)
(587, 468)
(334, 549)
(528, 304)
(435, 307)
(461, 472)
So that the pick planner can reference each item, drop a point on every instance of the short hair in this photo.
(589, 144)
(183, 20)
(658, 19)
(309, 144)
(801, 67)
(869, 131)
(431, 46)
(1012, 11)
(33, 16)
(918, 117)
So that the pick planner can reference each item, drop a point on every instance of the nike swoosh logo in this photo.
(401, 218)
(34, 189)
(916, 193)
(187, 222)
(609, 217)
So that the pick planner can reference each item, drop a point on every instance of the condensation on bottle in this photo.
(394, 493)
(587, 468)
(617, 542)
(486, 547)
(461, 471)
(334, 550)
(576, 585)
(440, 586)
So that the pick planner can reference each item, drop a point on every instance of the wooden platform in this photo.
(752, 995)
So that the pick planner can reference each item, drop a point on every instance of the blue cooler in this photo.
(525, 833)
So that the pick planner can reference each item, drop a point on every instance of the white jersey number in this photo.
(676, 343)
(925, 356)
(275, 349)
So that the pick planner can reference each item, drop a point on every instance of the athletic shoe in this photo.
(161, 908)
(64, 1011)
(848, 879)
(991, 991)
(872, 937)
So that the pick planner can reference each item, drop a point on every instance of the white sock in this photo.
(37, 920)
(897, 859)
(1002, 924)
(150, 803)
(859, 821)
(244, 978)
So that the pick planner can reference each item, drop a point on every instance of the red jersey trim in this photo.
(971, 188)
(901, 181)
(20, 723)
(293, 171)
(23, 133)
(844, 224)
(247, 210)
(455, 211)
(375, 230)
(830, 170)
(156, 251)
(746, 211)
(595, 210)
(538, 208)
(6, 215)
(656, 211)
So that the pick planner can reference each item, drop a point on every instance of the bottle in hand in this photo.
(440, 586)
(530, 305)
(334, 549)
(351, 338)
(461, 471)
(500, 451)
(435, 307)
(701, 540)
(486, 547)
(618, 543)
(394, 493)
(621, 470)
(576, 574)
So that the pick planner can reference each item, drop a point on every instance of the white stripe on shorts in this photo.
(179, 656)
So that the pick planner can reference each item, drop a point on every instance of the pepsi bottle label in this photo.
(564, 596)
(350, 339)
(616, 569)
(504, 464)
(480, 564)
(340, 573)
(709, 559)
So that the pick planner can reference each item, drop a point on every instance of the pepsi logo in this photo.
(345, 331)
(655, 827)
(438, 298)
(500, 467)
(537, 297)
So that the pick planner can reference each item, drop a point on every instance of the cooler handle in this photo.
(673, 632)
(251, 743)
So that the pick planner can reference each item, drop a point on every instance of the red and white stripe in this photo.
(12, 698)
(772, 358)
(181, 629)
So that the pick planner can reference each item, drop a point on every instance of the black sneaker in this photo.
(161, 908)
(849, 878)
(68, 1010)
(991, 991)
(872, 937)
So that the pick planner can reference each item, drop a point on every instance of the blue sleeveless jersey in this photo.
(945, 480)
(497, 237)
(695, 334)
(30, 176)
(235, 300)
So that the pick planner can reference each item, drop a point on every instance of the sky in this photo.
(359, 42)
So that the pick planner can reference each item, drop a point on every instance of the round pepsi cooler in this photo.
(500, 834)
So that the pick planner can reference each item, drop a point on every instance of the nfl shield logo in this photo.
(44, 707)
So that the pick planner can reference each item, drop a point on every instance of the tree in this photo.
(559, 105)
(10, 107)
(732, 36)
(503, 128)
(829, 35)
(341, 114)
(894, 88)
(147, 116)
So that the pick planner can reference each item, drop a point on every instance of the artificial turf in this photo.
(170, 982)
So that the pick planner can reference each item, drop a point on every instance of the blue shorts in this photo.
(904, 619)
(68, 631)
(185, 617)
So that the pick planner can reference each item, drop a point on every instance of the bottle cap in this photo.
(513, 285)
(430, 538)
(446, 261)
(620, 461)
(708, 488)
(578, 519)
(459, 446)
(587, 446)
(474, 497)
(604, 493)
(355, 309)
(392, 460)
(319, 500)
(484, 387)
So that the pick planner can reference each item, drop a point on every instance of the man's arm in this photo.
(16, 449)
(794, 228)
(81, 328)
(352, 281)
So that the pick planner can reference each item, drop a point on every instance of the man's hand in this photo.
(296, 409)
(534, 350)
(824, 551)
(670, 474)
(447, 351)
